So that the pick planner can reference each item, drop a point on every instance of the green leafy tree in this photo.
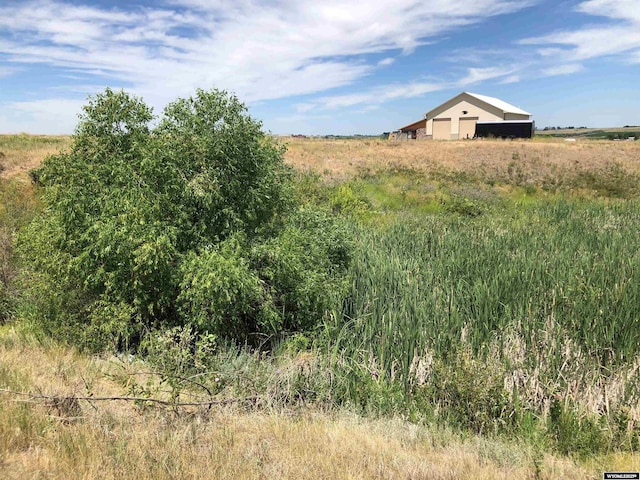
(152, 227)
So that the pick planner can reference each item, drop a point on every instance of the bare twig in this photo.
(158, 401)
(178, 377)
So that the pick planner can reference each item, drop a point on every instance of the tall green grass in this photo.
(539, 302)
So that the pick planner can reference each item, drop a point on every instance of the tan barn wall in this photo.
(467, 127)
(516, 116)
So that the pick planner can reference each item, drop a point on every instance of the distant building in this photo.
(456, 118)
(416, 130)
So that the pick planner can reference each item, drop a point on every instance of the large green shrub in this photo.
(155, 226)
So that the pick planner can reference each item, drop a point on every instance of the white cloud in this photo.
(475, 75)
(371, 98)
(563, 69)
(386, 61)
(623, 9)
(261, 50)
(511, 79)
(7, 71)
(375, 96)
(590, 42)
(619, 35)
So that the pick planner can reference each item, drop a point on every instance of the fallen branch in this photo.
(158, 401)
(181, 378)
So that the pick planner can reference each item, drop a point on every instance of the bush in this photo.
(221, 293)
(148, 228)
(303, 269)
(470, 393)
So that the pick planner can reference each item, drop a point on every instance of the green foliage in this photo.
(149, 228)
(17, 207)
(180, 351)
(348, 200)
(575, 434)
(296, 343)
(303, 268)
(622, 135)
(436, 302)
(470, 392)
(309, 189)
(463, 206)
(219, 292)
(612, 181)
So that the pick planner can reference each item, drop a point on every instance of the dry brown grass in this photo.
(117, 440)
(523, 162)
(538, 162)
(21, 153)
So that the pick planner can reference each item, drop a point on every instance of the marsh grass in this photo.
(18, 204)
(515, 312)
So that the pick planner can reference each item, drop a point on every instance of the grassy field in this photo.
(21, 153)
(490, 332)
(584, 167)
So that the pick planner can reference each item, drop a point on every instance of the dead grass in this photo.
(21, 153)
(544, 162)
(119, 440)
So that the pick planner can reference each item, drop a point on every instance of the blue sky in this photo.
(323, 67)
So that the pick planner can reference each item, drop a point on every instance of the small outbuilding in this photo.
(415, 130)
(457, 118)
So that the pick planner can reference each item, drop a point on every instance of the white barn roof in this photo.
(496, 102)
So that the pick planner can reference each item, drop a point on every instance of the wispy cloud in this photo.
(372, 97)
(567, 69)
(381, 94)
(620, 33)
(6, 71)
(261, 50)
(386, 61)
(475, 75)
(510, 79)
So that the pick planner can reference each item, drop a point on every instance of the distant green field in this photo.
(619, 133)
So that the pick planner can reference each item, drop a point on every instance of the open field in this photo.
(489, 331)
(484, 160)
(21, 153)
(536, 163)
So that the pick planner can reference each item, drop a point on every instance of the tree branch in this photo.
(158, 401)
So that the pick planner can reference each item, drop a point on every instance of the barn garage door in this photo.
(441, 128)
(467, 127)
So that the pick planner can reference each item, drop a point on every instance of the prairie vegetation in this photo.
(480, 320)
(21, 153)
(586, 168)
